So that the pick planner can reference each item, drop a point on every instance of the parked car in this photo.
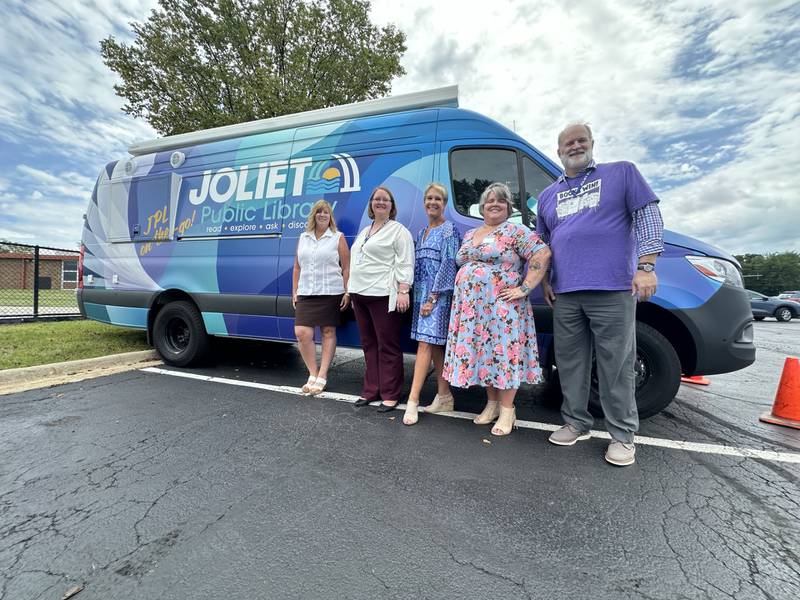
(793, 296)
(780, 308)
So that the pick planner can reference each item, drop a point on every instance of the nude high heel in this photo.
(505, 423)
(441, 404)
(411, 415)
(489, 414)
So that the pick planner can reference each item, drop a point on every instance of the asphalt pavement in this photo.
(152, 484)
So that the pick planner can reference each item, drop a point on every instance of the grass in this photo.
(18, 297)
(41, 343)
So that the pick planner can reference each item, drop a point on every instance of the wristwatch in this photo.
(433, 299)
(525, 289)
(646, 267)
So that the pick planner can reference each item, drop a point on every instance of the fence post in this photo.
(36, 282)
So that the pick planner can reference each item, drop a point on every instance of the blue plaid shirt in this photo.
(647, 223)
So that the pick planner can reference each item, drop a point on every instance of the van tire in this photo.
(783, 314)
(179, 334)
(658, 374)
(654, 391)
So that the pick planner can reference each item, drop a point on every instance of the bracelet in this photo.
(404, 292)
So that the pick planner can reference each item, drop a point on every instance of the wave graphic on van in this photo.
(323, 187)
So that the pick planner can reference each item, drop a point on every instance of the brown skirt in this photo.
(318, 311)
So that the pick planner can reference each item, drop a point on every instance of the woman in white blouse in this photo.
(319, 280)
(380, 279)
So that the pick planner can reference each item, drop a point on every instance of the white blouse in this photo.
(320, 271)
(381, 262)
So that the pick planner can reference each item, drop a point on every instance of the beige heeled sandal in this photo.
(411, 415)
(505, 423)
(318, 387)
(489, 413)
(441, 404)
(307, 386)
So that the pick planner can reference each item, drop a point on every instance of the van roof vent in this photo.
(439, 97)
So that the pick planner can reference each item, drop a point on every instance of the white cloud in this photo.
(702, 94)
(709, 140)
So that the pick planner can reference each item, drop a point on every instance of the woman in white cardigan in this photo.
(381, 274)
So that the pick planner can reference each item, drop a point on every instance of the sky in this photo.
(703, 95)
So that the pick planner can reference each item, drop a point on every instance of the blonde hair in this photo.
(438, 187)
(318, 206)
(392, 212)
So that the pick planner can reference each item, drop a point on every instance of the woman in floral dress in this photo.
(492, 338)
(434, 275)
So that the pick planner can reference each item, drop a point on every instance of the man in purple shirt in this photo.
(605, 232)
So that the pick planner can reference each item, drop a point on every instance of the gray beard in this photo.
(577, 163)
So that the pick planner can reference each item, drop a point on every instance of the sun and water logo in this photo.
(338, 175)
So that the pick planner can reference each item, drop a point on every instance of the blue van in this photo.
(195, 234)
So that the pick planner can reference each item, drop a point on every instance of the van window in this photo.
(472, 169)
(536, 179)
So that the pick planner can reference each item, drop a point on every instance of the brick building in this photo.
(56, 271)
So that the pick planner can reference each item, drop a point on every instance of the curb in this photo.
(72, 367)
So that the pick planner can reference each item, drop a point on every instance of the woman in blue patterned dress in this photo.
(492, 338)
(434, 274)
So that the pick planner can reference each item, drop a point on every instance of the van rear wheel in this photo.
(179, 334)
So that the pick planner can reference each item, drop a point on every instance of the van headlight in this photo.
(717, 269)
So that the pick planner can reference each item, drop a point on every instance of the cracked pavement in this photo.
(140, 485)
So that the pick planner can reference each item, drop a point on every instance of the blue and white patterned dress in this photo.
(434, 272)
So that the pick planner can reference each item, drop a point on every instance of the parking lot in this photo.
(224, 482)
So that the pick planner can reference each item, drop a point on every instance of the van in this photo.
(194, 235)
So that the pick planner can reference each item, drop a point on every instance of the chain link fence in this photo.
(37, 281)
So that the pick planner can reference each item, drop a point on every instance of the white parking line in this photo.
(786, 457)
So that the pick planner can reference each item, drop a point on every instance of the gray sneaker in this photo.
(620, 453)
(568, 435)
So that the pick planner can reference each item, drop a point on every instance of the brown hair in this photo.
(392, 212)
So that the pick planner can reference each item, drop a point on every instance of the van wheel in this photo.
(179, 334)
(783, 314)
(658, 374)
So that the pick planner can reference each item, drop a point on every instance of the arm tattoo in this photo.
(536, 265)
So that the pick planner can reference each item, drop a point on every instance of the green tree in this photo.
(771, 274)
(196, 64)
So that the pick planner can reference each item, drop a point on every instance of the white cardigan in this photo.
(380, 263)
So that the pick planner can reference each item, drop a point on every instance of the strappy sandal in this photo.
(318, 387)
(307, 386)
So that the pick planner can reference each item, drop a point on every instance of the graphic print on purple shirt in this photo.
(590, 230)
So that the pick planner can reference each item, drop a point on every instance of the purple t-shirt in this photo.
(590, 230)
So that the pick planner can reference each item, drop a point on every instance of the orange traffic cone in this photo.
(786, 408)
(696, 379)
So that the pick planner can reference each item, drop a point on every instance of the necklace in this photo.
(370, 233)
(571, 191)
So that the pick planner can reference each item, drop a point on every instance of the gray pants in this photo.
(606, 320)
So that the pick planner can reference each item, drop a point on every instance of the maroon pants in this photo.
(380, 338)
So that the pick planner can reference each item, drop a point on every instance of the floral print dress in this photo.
(492, 342)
